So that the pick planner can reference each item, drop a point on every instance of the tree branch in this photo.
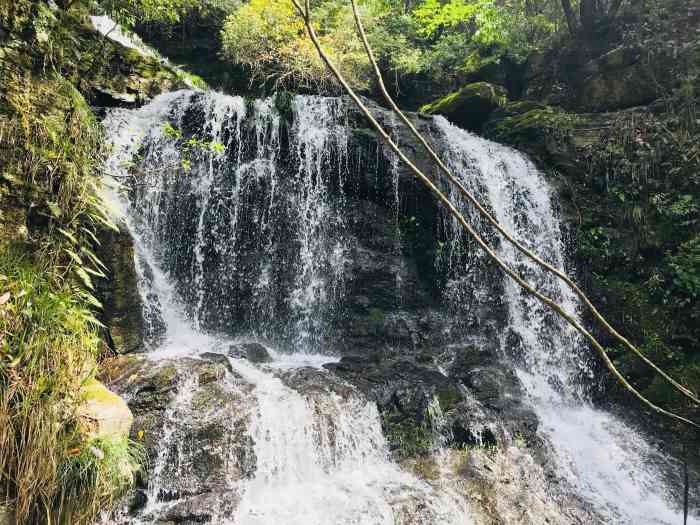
(570, 17)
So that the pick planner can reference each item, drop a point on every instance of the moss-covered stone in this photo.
(471, 106)
(407, 437)
(543, 131)
(103, 414)
(449, 397)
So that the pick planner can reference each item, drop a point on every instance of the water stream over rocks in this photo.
(326, 347)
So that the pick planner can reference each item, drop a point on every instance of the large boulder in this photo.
(545, 132)
(471, 106)
(191, 416)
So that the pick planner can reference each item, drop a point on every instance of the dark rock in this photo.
(194, 429)
(471, 106)
(122, 310)
(253, 352)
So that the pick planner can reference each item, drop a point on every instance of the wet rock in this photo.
(253, 352)
(191, 414)
(122, 309)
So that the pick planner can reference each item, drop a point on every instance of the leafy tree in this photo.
(439, 40)
(129, 12)
(592, 14)
(268, 38)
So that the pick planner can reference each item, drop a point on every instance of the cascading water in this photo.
(607, 461)
(239, 212)
(320, 456)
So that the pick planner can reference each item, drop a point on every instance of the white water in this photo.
(112, 30)
(606, 460)
(321, 458)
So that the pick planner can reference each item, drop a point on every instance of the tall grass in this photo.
(50, 472)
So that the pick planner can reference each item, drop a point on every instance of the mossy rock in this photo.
(103, 414)
(449, 397)
(545, 132)
(122, 313)
(7, 515)
(471, 106)
(407, 438)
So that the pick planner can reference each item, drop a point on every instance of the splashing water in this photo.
(605, 460)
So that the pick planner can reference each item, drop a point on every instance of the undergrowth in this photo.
(51, 471)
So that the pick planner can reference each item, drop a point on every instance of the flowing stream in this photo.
(239, 231)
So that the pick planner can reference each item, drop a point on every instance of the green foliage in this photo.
(97, 472)
(437, 39)
(48, 347)
(269, 38)
(51, 147)
(495, 29)
(639, 211)
(130, 12)
(685, 270)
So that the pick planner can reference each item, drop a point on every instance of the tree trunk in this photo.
(570, 17)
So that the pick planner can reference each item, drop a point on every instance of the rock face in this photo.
(194, 431)
(413, 316)
(469, 107)
(122, 309)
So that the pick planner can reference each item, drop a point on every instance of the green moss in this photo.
(375, 315)
(407, 438)
(523, 123)
(471, 106)
(448, 397)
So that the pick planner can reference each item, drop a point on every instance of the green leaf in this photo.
(55, 209)
(68, 235)
(74, 256)
(84, 277)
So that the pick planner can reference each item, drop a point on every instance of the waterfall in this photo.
(607, 461)
(240, 211)
(237, 237)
